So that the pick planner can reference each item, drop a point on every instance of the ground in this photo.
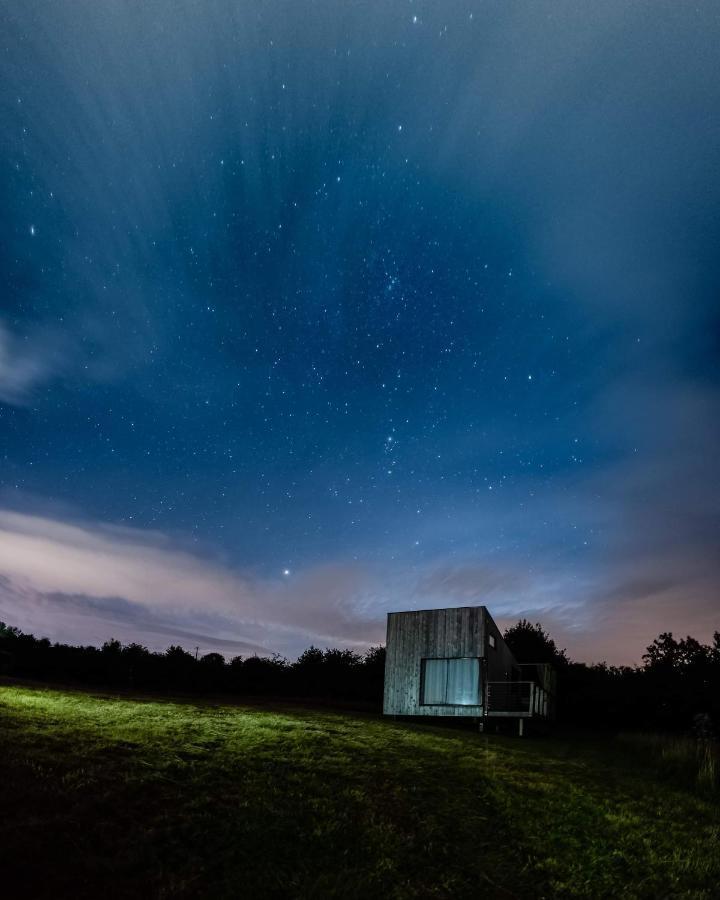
(106, 796)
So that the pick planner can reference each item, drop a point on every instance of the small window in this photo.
(491, 640)
(451, 682)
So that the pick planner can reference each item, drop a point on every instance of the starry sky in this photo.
(311, 311)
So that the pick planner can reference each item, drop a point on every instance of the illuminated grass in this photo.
(106, 797)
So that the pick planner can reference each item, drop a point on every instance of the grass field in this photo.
(107, 797)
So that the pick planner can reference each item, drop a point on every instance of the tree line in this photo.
(330, 674)
(677, 687)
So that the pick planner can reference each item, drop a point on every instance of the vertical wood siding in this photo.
(421, 634)
(500, 660)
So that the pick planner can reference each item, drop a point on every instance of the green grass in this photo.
(118, 797)
(695, 761)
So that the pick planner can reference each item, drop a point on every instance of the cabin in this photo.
(454, 662)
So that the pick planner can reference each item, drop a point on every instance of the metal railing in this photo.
(519, 697)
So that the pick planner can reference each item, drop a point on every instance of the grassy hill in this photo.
(118, 797)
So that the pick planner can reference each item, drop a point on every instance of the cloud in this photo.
(84, 582)
(84, 558)
(88, 581)
(23, 365)
(76, 618)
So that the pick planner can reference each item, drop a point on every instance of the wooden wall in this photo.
(412, 636)
(501, 664)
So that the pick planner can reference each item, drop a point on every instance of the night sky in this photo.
(311, 311)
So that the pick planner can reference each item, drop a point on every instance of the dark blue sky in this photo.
(312, 311)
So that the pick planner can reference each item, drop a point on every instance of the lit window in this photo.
(491, 640)
(451, 682)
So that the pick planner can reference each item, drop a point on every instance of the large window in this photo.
(451, 682)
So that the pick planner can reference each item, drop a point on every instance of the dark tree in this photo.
(532, 644)
(308, 672)
(180, 666)
(374, 673)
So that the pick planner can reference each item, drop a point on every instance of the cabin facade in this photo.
(454, 662)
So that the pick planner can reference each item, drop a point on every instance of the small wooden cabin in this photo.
(454, 662)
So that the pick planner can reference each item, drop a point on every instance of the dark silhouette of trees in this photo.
(264, 675)
(683, 677)
(374, 671)
(181, 667)
(677, 688)
(330, 673)
(309, 669)
(532, 644)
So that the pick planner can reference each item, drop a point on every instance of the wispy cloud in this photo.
(23, 365)
(86, 581)
(81, 581)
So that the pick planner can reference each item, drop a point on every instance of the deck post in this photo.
(520, 727)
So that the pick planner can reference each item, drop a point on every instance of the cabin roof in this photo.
(402, 612)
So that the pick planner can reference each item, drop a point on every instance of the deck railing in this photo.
(523, 698)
